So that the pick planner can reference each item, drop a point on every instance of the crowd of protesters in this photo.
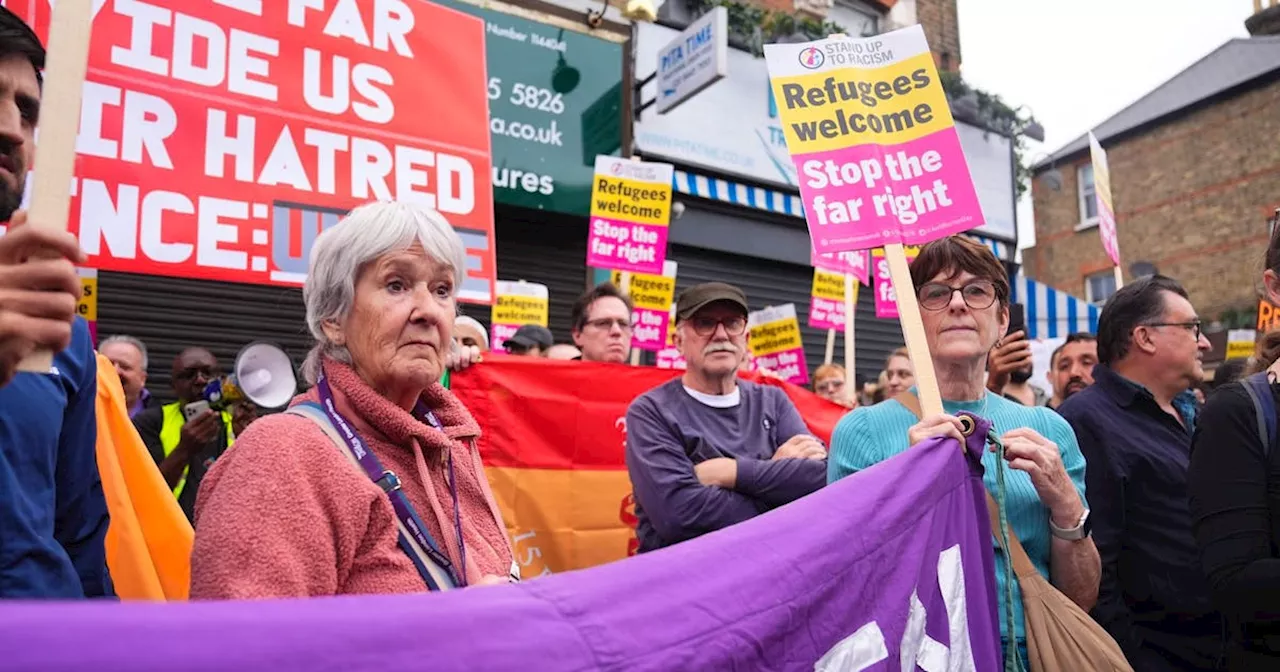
(1154, 510)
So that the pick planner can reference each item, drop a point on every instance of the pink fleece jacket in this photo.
(285, 513)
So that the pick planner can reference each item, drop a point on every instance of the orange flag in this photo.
(552, 441)
(149, 539)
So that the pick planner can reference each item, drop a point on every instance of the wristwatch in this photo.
(1080, 531)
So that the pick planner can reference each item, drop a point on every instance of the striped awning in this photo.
(1051, 313)
(781, 202)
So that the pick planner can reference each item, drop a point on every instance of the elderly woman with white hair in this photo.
(371, 482)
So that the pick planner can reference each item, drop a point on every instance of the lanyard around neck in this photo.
(390, 483)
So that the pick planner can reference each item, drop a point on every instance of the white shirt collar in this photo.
(717, 400)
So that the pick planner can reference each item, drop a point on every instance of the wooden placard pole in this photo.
(1119, 277)
(849, 307)
(830, 355)
(913, 329)
(68, 59)
(624, 279)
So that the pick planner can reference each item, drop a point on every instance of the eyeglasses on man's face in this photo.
(1194, 326)
(978, 295)
(735, 325)
(607, 323)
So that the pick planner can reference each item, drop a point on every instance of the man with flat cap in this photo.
(708, 450)
(532, 340)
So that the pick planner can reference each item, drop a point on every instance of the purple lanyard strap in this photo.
(390, 483)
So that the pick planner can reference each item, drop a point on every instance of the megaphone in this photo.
(263, 375)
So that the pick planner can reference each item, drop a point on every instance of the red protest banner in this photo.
(218, 139)
(553, 441)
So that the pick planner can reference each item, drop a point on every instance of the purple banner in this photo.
(886, 570)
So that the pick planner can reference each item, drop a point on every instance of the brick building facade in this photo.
(1193, 185)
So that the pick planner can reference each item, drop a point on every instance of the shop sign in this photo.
(554, 104)
(694, 60)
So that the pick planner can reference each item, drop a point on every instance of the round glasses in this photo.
(978, 295)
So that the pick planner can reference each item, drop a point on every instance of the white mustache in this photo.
(720, 347)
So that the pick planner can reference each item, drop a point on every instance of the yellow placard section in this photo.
(87, 306)
(654, 292)
(776, 336)
(631, 200)
(828, 285)
(566, 518)
(513, 309)
(911, 251)
(891, 105)
(1239, 349)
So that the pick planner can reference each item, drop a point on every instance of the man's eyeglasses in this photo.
(705, 326)
(978, 295)
(1193, 326)
(191, 374)
(607, 323)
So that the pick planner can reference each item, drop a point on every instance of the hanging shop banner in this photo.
(871, 135)
(87, 306)
(775, 343)
(651, 297)
(886, 299)
(217, 139)
(856, 263)
(517, 304)
(1102, 192)
(555, 98)
(826, 305)
(630, 211)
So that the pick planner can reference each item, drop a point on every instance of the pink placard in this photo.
(670, 358)
(1107, 229)
(826, 313)
(856, 263)
(501, 332)
(789, 365)
(886, 299)
(626, 246)
(650, 332)
(862, 197)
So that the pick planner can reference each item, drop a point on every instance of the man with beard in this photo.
(1071, 366)
(1010, 371)
(708, 450)
(53, 515)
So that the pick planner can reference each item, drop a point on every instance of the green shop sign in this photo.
(555, 101)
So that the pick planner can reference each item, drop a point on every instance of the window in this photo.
(1099, 287)
(857, 19)
(1088, 201)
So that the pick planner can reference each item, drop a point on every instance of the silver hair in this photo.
(474, 324)
(127, 340)
(340, 252)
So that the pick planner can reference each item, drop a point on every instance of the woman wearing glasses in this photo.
(964, 303)
(829, 383)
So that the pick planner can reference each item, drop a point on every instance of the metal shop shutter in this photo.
(554, 253)
(769, 282)
(171, 314)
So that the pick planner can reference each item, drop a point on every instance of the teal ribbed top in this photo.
(873, 434)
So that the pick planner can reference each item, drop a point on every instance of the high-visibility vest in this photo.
(171, 434)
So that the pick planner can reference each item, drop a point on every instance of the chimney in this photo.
(1265, 19)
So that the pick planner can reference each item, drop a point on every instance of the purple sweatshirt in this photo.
(668, 432)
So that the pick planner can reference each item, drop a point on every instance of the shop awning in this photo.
(781, 202)
(1051, 313)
